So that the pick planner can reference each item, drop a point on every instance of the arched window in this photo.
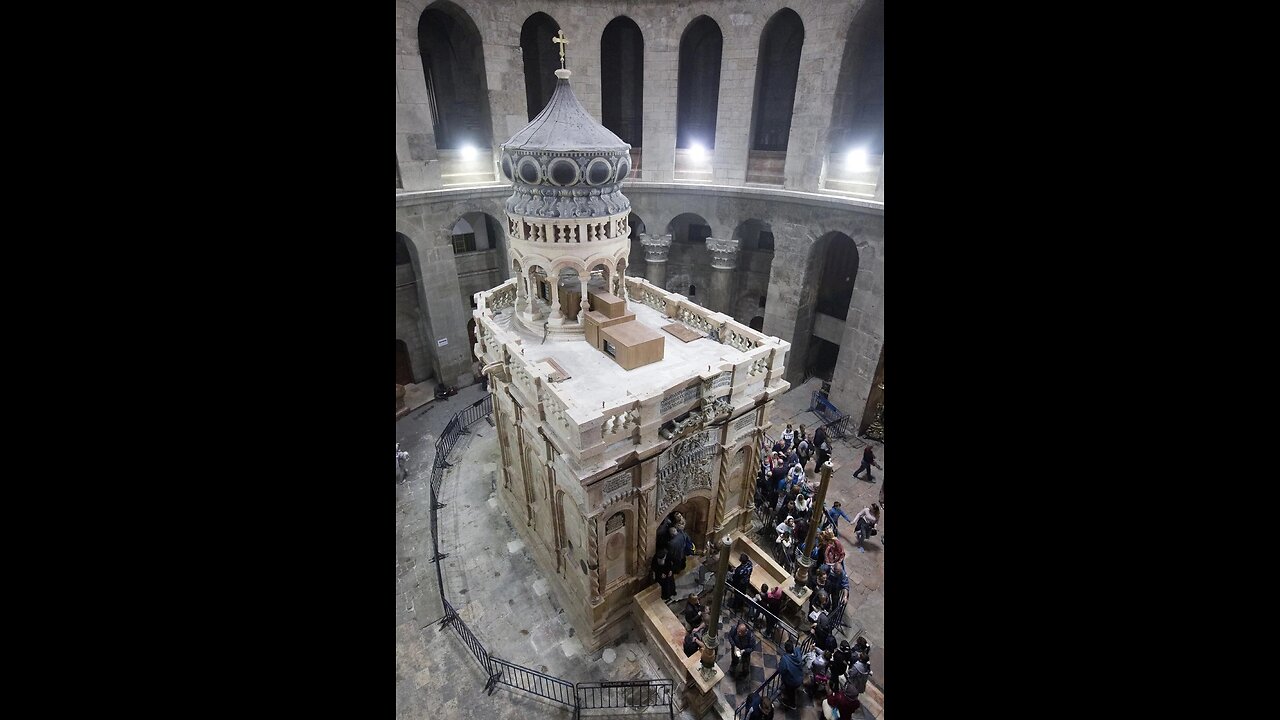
(622, 79)
(776, 70)
(693, 291)
(541, 60)
(698, 95)
(858, 109)
(457, 88)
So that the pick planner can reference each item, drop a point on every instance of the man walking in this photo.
(868, 459)
(834, 513)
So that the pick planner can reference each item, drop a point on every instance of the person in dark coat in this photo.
(839, 665)
(868, 459)
(761, 708)
(740, 578)
(663, 573)
(741, 643)
(791, 668)
(693, 611)
(676, 547)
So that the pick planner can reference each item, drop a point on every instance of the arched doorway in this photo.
(404, 366)
(622, 84)
(836, 257)
(856, 137)
(697, 521)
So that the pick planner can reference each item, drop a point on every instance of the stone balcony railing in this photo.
(594, 434)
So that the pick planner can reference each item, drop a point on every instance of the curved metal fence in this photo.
(635, 694)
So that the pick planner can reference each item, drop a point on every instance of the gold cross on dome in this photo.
(562, 41)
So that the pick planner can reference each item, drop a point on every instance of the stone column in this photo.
(724, 260)
(531, 292)
(802, 571)
(584, 306)
(713, 623)
(656, 249)
(555, 298)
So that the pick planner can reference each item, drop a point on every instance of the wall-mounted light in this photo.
(468, 152)
(698, 152)
(856, 160)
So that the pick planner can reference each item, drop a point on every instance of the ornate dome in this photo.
(564, 164)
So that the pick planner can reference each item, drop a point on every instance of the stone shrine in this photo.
(594, 455)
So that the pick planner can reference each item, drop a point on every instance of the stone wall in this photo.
(826, 30)
(788, 277)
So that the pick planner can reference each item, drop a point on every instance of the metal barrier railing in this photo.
(625, 694)
(534, 682)
(469, 639)
(770, 688)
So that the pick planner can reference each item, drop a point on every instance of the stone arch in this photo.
(857, 110)
(413, 321)
(622, 80)
(777, 73)
(698, 88)
(541, 60)
(451, 50)
(755, 266)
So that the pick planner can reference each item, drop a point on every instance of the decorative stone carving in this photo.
(671, 402)
(683, 467)
(724, 253)
(656, 247)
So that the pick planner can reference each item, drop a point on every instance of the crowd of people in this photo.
(833, 672)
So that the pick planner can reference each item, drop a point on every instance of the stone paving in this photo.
(504, 601)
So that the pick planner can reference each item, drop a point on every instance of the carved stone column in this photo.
(584, 305)
(531, 291)
(593, 554)
(722, 491)
(724, 260)
(656, 249)
(642, 539)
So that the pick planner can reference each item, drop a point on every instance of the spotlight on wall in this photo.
(698, 152)
(468, 152)
(856, 160)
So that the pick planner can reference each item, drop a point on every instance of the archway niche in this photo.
(832, 270)
(755, 266)
(622, 85)
(777, 69)
(698, 95)
(541, 60)
(856, 138)
(411, 314)
(689, 260)
(452, 55)
(697, 99)
(569, 288)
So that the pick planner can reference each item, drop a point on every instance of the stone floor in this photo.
(504, 601)
(490, 579)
